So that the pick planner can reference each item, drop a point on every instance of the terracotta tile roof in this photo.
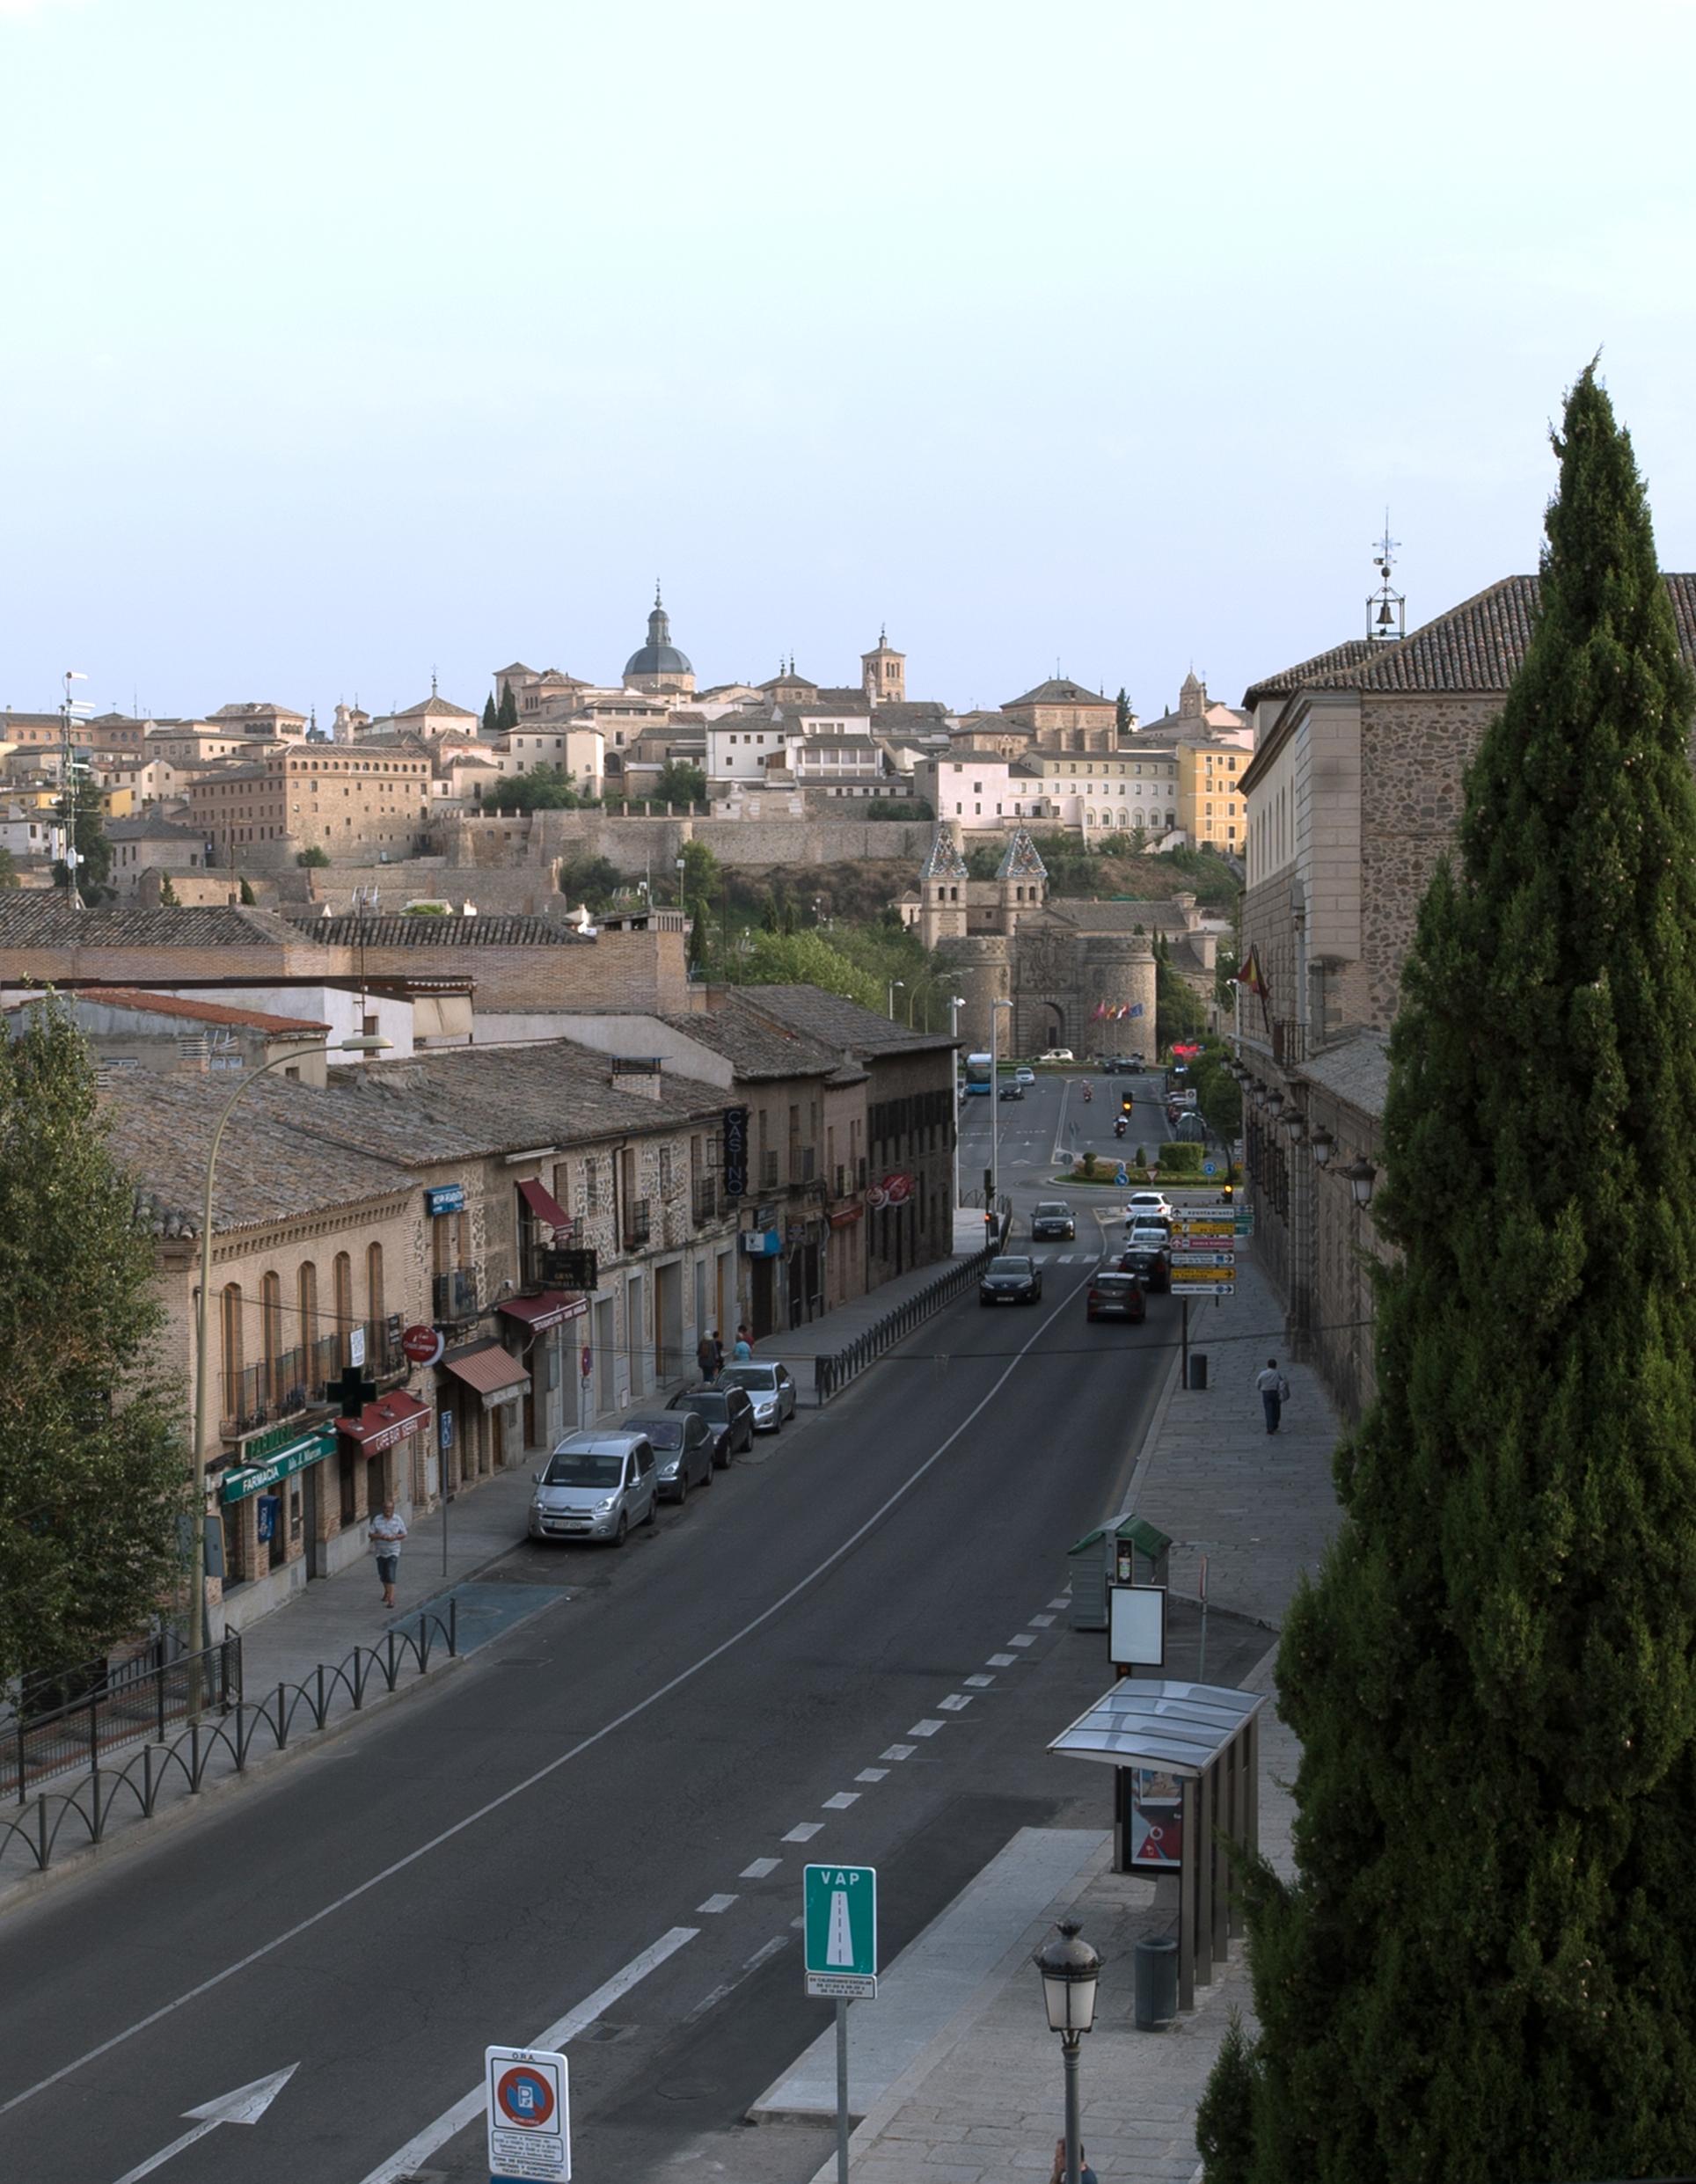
(40, 921)
(834, 1022)
(754, 1048)
(1322, 664)
(198, 1012)
(345, 930)
(1061, 691)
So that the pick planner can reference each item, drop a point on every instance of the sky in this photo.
(342, 341)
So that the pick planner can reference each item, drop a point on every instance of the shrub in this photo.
(1184, 1158)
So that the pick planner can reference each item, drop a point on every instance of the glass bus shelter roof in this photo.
(1181, 1728)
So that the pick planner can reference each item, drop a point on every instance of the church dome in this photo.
(659, 656)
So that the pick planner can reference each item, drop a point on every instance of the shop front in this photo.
(381, 1455)
(482, 1389)
(551, 1394)
(272, 1507)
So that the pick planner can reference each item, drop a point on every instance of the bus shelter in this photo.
(1186, 1800)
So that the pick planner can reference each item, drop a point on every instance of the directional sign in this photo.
(840, 1935)
(246, 2105)
(529, 2099)
(1191, 1257)
(1204, 1281)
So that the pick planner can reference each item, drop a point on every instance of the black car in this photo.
(1017, 1280)
(682, 1451)
(729, 1418)
(1113, 1295)
(1053, 1222)
(1123, 1065)
(1152, 1268)
(1012, 1092)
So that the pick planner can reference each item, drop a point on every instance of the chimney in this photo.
(636, 1073)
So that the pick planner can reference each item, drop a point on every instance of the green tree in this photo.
(1179, 1011)
(92, 1476)
(545, 788)
(168, 895)
(490, 718)
(1218, 1094)
(314, 858)
(82, 804)
(1122, 712)
(1481, 1970)
(249, 899)
(679, 783)
(8, 869)
(805, 959)
(506, 714)
(591, 880)
(983, 860)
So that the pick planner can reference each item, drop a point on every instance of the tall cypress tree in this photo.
(491, 720)
(505, 718)
(1484, 1968)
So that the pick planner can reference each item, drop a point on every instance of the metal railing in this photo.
(84, 1813)
(704, 1202)
(832, 1372)
(128, 1702)
(638, 1226)
(262, 1394)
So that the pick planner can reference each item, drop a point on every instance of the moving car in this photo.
(1149, 1257)
(596, 1487)
(728, 1416)
(1141, 1203)
(1113, 1295)
(1053, 1220)
(1015, 1280)
(1121, 1065)
(1013, 1090)
(683, 1452)
(771, 1390)
(1024, 1077)
(1055, 1053)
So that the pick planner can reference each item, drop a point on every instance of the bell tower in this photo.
(883, 673)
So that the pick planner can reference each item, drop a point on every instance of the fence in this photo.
(832, 1371)
(137, 1698)
(86, 1812)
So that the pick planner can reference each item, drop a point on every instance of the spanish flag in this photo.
(1250, 975)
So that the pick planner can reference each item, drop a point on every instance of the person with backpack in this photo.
(1273, 1393)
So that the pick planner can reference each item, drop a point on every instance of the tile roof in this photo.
(836, 1022)
(344, 930)
(1322, 664)
(754, 1047)
(1061, 691)
(40, 921)
(943, 860)
(151, 826)
(1020, 860)
(1355, 1069)
(198, 1012)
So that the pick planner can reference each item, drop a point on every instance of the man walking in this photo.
(1274, 1393)
(706, 1356)
(386, 1533)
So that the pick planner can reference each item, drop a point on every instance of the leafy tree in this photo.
(914, 808)
(591, 880)
(314, 858)
(983, 860)
(1218, 1094)
(545, 788)
(805, 959)
(1482, 1968)
(490, 718)
(168, 895)
(1179, 1011)
(680, 783)
(249, 899)
(8, 870)
(92, 1476)
(506, 715)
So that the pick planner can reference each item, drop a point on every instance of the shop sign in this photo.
(570, 1270)
(422, 1345)
(259, 1448)
(244, 1479)
(761, 1244)
(446, 1198)
(845, 1216)
(894, 1190)
(735, 1152)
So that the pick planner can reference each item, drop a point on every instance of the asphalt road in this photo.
(608, 1780)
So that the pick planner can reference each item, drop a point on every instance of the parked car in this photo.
(729, 1418)
(682, 1451)
(1024, 1077)
(1013, 1090)
(596, 1487)
(1057, 1053)
(1113, 1295)
(1141, 1203)
(771, 1390)
(1149, 1257)
(1053, 1220)
(1015, 1280)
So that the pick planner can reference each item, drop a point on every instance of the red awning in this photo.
(549, 1310)
(543, 1207)
(495, 1374)
(380, 1424)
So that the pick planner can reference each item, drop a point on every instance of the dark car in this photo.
(728, 1416)
(1152, 1267)
(682, 1451)
(1123, 1065)
(1115, 1296)
(1053, 1222)
(1016, 1280)
(1012, 1092)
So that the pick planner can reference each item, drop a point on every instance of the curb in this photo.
(77, 1865)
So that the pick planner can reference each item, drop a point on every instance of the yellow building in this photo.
(1211, 807)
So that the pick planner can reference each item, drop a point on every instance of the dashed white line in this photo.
(956, 1702)
(805, 1832)
(714, 1904)
(759, 1869)
(1062, 1604)
(1004, 1661)
(979, 1682)
(1024, 1639)
(841, 1801)
(926, 1727)
(898, 1751)
(872, 1774)
(1041, 1622)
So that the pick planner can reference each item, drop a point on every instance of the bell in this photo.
(1385, 619)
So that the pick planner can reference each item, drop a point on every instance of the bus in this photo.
(980, 1073)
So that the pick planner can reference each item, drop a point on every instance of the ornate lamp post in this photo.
(1070, 1970)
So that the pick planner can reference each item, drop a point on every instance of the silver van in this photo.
(596, 1487)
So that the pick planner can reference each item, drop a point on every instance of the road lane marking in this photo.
(898, 1751)
(927, 1727)
(805, 1832)
(714, 1905)
(452, 2121)
(839, 1553)
(956, 1702)
(1004, 1661)
(1062, 1604)
(979, 1682)
(1041, 1622)
(1024, 1639)
(873, 1774)
(841, 1801)
(759, 1869)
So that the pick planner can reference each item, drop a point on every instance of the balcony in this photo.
(637, 1226)
(263, 1394)
(704, 1200)
(769, 1170)
(453, 1296)
(384, 1354)
(1289, 1040)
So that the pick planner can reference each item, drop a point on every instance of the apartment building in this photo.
(350, 799)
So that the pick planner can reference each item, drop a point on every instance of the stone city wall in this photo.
(635, 845)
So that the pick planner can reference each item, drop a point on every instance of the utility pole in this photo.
(69, 712)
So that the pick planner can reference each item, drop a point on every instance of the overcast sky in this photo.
(343, 338)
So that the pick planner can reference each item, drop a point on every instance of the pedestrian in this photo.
(706, 1356)
(1058, 2174)
(1274, 1393)
(718, 1354)
(744, 1343)
(386, 1533)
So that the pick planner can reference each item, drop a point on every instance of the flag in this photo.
(1250, 975)
(1098, 1011)
(1136, 1009)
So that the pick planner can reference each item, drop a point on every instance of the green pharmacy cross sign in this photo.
(841, 1932)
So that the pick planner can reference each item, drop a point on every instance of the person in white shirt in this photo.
(386, 1533)
(1273, 1392)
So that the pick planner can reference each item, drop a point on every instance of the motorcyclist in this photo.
(1088, 1094)
(1118, 1125)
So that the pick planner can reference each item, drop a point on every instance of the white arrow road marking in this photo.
(453, 2120)
(246, 2105)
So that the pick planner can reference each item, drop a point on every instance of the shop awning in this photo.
(549, 1310)
(380, 1424)
(543, 1207)
(494, 1373)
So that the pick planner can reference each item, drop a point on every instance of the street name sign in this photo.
(840, 1932)
(528, 2099)
(1190, 1280)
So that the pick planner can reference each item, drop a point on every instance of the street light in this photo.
(682, 868)
(996, 1008)
(1321, 1144)
(1070, 1970)
(956, 1002)
(1360, 1176)
(893, 984)
(366, 1044)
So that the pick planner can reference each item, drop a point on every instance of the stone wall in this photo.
(634, 846)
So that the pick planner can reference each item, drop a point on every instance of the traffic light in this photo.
(1125, 1102)
(1228, 1188)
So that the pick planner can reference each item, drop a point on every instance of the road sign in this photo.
(1195, 1280)
(1190, 1256)
(529, 2104)
(1210, 1167)
(840, 1933)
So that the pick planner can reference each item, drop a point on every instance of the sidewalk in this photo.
(976, 2097)
(797, 1347)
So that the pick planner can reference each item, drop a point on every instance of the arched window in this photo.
(230, 1328)
(307, 1333)
(344, 1287)
(375, 1361)
(271, 1338)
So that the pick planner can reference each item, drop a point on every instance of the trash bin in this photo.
(1156, 1984)
(1126, 1550)
(1198, 1369)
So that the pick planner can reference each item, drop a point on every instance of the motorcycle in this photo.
(1119, 1125)
(1088, 1095)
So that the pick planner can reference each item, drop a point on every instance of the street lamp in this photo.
(996, 1008)
(366, 1044)
(1070, 1970)
(1360, 1176)
(956, 1002)
(893, 984)
(1295, 1123)
(1321, 1144)
(682, 868)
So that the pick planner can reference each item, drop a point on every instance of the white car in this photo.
(1024, 1077)
(1140, 1204)
(1055, 1053)
(771, 1390)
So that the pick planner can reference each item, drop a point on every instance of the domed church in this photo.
(658, 667)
